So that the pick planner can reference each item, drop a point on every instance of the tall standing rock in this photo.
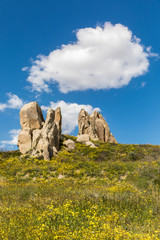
(31, 116)
(38, 136)
(95, 126)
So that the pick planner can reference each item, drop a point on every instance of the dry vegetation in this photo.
(110, 192)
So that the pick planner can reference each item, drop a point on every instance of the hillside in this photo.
(108, 192)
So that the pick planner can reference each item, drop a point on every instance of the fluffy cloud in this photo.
(70, 113)
(13, 102)
(101, 58)
(14, 137)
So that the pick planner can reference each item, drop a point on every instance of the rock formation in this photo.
(95, 127)
(40, 138)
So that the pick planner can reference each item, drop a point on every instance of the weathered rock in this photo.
(39, 137)
(58, 119)
(70, 144)
(36, 135)
(83, 122)
(95, 126)
(112, 139)
(83, 138)
(31, 116)
(89, 143)
(50, 135)
(24, 140)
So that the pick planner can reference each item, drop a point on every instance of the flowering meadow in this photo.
(111, 192)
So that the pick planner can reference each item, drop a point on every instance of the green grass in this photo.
(110, 192)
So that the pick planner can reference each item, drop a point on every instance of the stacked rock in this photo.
(95, 127)
(40, 138)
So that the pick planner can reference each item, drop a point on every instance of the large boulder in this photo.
(90, 144)
(70, 144)
(83, 138)
(95, 127)
(31, 116)
(40, 138)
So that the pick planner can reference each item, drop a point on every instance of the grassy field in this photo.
(110, 192)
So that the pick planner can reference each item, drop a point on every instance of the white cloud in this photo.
(14, 137)
(70, 113)
(101, 58)
(13, 102)
(3, 106)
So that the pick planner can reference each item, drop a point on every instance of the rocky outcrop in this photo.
(95, 127)
(40, 138)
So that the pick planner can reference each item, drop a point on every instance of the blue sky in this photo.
(90, 58)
